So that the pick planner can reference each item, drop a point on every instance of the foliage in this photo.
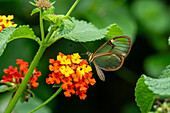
(148, 88)
(146, 22)
(24, 32)
(4, 37)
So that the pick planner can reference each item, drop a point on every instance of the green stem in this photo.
(41, 26)
(55, 39)
(17, 95)
(73, 6)
(47, 101)
(48, 35)
(53, 35)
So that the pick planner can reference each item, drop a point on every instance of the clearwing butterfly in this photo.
(110, 56)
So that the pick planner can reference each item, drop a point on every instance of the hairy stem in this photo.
(17, 95)
(47, 101)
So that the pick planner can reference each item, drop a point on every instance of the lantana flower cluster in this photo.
(43, 4)
(73, 73)
(6, 22)
(16, 77)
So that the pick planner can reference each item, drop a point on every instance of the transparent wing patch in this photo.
(109, 62)
(120, 45)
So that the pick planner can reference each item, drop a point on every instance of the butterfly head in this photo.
(88, 53)
(90, 56)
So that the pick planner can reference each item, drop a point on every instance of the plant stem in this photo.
(47, 101)
(54, 39)
(53, 35)
(73, 6)
(17, 95)
(48, 35)
(41, 26)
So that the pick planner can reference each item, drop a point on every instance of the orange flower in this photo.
(74, 74)
(6, 22)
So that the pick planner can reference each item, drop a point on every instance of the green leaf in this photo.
(4, 88)
(114, 30)
(52, 18)
(108, 12)
(63, 24)
(165, 73)
(84, 32)
(169, 40)
(159, 86)
(148, 88)
(4, 36)
(36, 10)
(144, 96)
(24, 32)
(67, 25)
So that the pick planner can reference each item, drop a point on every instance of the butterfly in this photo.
(110, 56)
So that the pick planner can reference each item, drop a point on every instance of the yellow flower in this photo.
(3, 17)
(10, 17)
(0, 28)
(76, 58)
(66, 70)
(84, 69)
(63, 59)
(88, 69)
(6, 22)
(74, 78)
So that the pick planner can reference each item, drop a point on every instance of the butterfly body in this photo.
(110, 56)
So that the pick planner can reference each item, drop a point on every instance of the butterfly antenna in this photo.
(83, 54)
(82, 45)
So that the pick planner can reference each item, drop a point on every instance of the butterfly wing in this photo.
(110, 56)
(119, 44)
(108, 61)
(99, 72)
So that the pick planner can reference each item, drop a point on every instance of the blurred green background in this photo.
(147, 22)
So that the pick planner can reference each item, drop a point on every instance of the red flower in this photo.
(16, 77)
(74, 74)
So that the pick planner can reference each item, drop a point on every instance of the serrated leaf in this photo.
(159, 86)
(144, 96)
(24, 32)
(4, 36)
(36, 10)
(84, 32)
(148, 88)
(52, 18)
(4, 88)
(114, 30)
(165, 73)
(67, 25)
